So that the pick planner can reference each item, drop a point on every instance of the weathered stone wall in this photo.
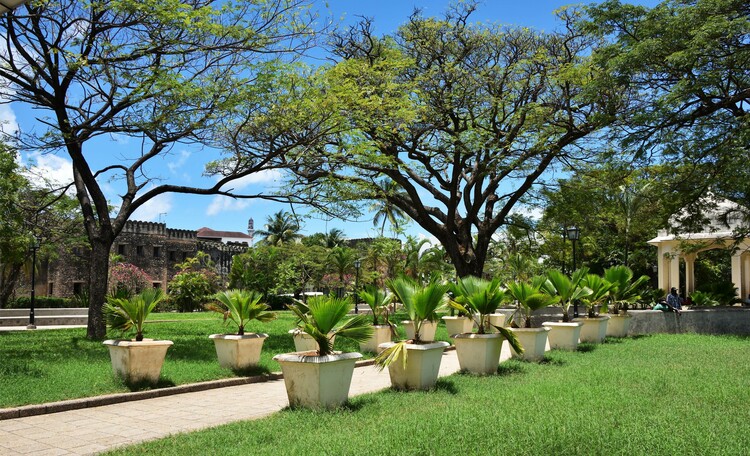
(716, 320)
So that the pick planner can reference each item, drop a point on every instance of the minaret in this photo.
(251, 231)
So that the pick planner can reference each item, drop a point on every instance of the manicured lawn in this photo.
(657, 395)
(52, 365)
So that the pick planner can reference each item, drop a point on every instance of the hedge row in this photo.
(48, 302)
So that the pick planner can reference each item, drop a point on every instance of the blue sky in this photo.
(184, 165)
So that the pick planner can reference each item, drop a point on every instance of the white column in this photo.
(738, 276)
(689, 273)
(674, 272)
(745, 275)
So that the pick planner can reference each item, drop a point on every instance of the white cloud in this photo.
(180, 162)
(222, 203)
(51, 169)
(8, 123)
(263, 177)
(153, 208)
(532, 212)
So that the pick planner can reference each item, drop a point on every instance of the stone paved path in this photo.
(93, 430)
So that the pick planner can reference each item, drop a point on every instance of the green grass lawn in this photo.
(656, 395)
(52, 365)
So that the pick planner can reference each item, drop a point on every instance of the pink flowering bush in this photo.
(126, 280)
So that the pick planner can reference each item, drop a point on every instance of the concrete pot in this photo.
(594, 330)
(304, 343)
(458, 325)
(618, 325)
(381, 335)
(533, 341)
(426, 331)
(238, 352)
(319, 382)
(137, 362)
(496, 319)
(563, 336)
(478, 353)
(422, 366)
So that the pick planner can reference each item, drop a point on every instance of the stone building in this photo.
(152, 247)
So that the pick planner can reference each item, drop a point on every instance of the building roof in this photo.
(209, 233)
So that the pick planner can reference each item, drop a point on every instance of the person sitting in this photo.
(674, 301)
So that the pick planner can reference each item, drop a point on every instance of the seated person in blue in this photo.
(674, 301)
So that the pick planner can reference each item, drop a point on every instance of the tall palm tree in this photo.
(334, 238)
(281, 228)
(384, 210)
(341, 260)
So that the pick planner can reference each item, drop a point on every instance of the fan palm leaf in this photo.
(241, 307)
(125, 314)
(321, 319)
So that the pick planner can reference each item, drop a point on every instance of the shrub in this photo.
(49, 302)
(127, 279)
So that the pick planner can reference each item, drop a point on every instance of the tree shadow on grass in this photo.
(552, 361)
(145, 385)
(511, 367)
(585, 347)
(446, 385)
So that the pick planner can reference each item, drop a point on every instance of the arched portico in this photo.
(717, 234)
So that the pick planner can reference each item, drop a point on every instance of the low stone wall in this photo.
(45, 317)
(716, 320)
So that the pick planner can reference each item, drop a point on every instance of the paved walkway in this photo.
(97, 429)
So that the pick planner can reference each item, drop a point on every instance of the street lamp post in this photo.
(357, 265)
(573, 233)
(34, 247)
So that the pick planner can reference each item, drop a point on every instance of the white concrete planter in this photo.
(381, 335)
(618, 325)
(238, 352)
(458, 325)
(479, 353)
(594, 330)
(137, 362)
(426, 331)
(303, 342)
(317, 381)
(563, 336)
(422, 366)
(496, 319)
(533, 341)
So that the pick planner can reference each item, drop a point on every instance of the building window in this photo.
(184, 256)
(139, 250)
(50, 288)
(77, 251)
(77, 288)
(156, 285)
(172, 255)
(121, 249)
(157, 252)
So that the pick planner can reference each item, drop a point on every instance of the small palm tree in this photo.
(531, 297)
(600, 291)
(378, 300)
(568, 290)
(334, 238)
(242, 306)
(125, 314)
(421, 303)
(384, 209)
(479, 298)
(321, 318)
(624, 291)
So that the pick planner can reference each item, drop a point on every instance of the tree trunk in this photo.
(98, 278)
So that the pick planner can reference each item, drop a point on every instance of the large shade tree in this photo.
(157, 72)
(464, 118)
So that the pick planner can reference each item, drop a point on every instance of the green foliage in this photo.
(24, 302)
(724, 292)
(624, 291)
(194, 285)
(127, 279)
(530, 297)
(379, 301)
(421, 302)
(568, 290)
(125, 314)
(321, 318)
(281, 228)
(600, 292)
(477, 298)
(241, 307)
(703, 299)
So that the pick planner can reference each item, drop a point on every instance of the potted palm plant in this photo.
(302, 341)
(414, 363)
(240, 351)
(624, 292)
(530, 298)
(565, 334)
(594, 327)
(320, 378)
(379, 301)
(137, 360)
(479, 352)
